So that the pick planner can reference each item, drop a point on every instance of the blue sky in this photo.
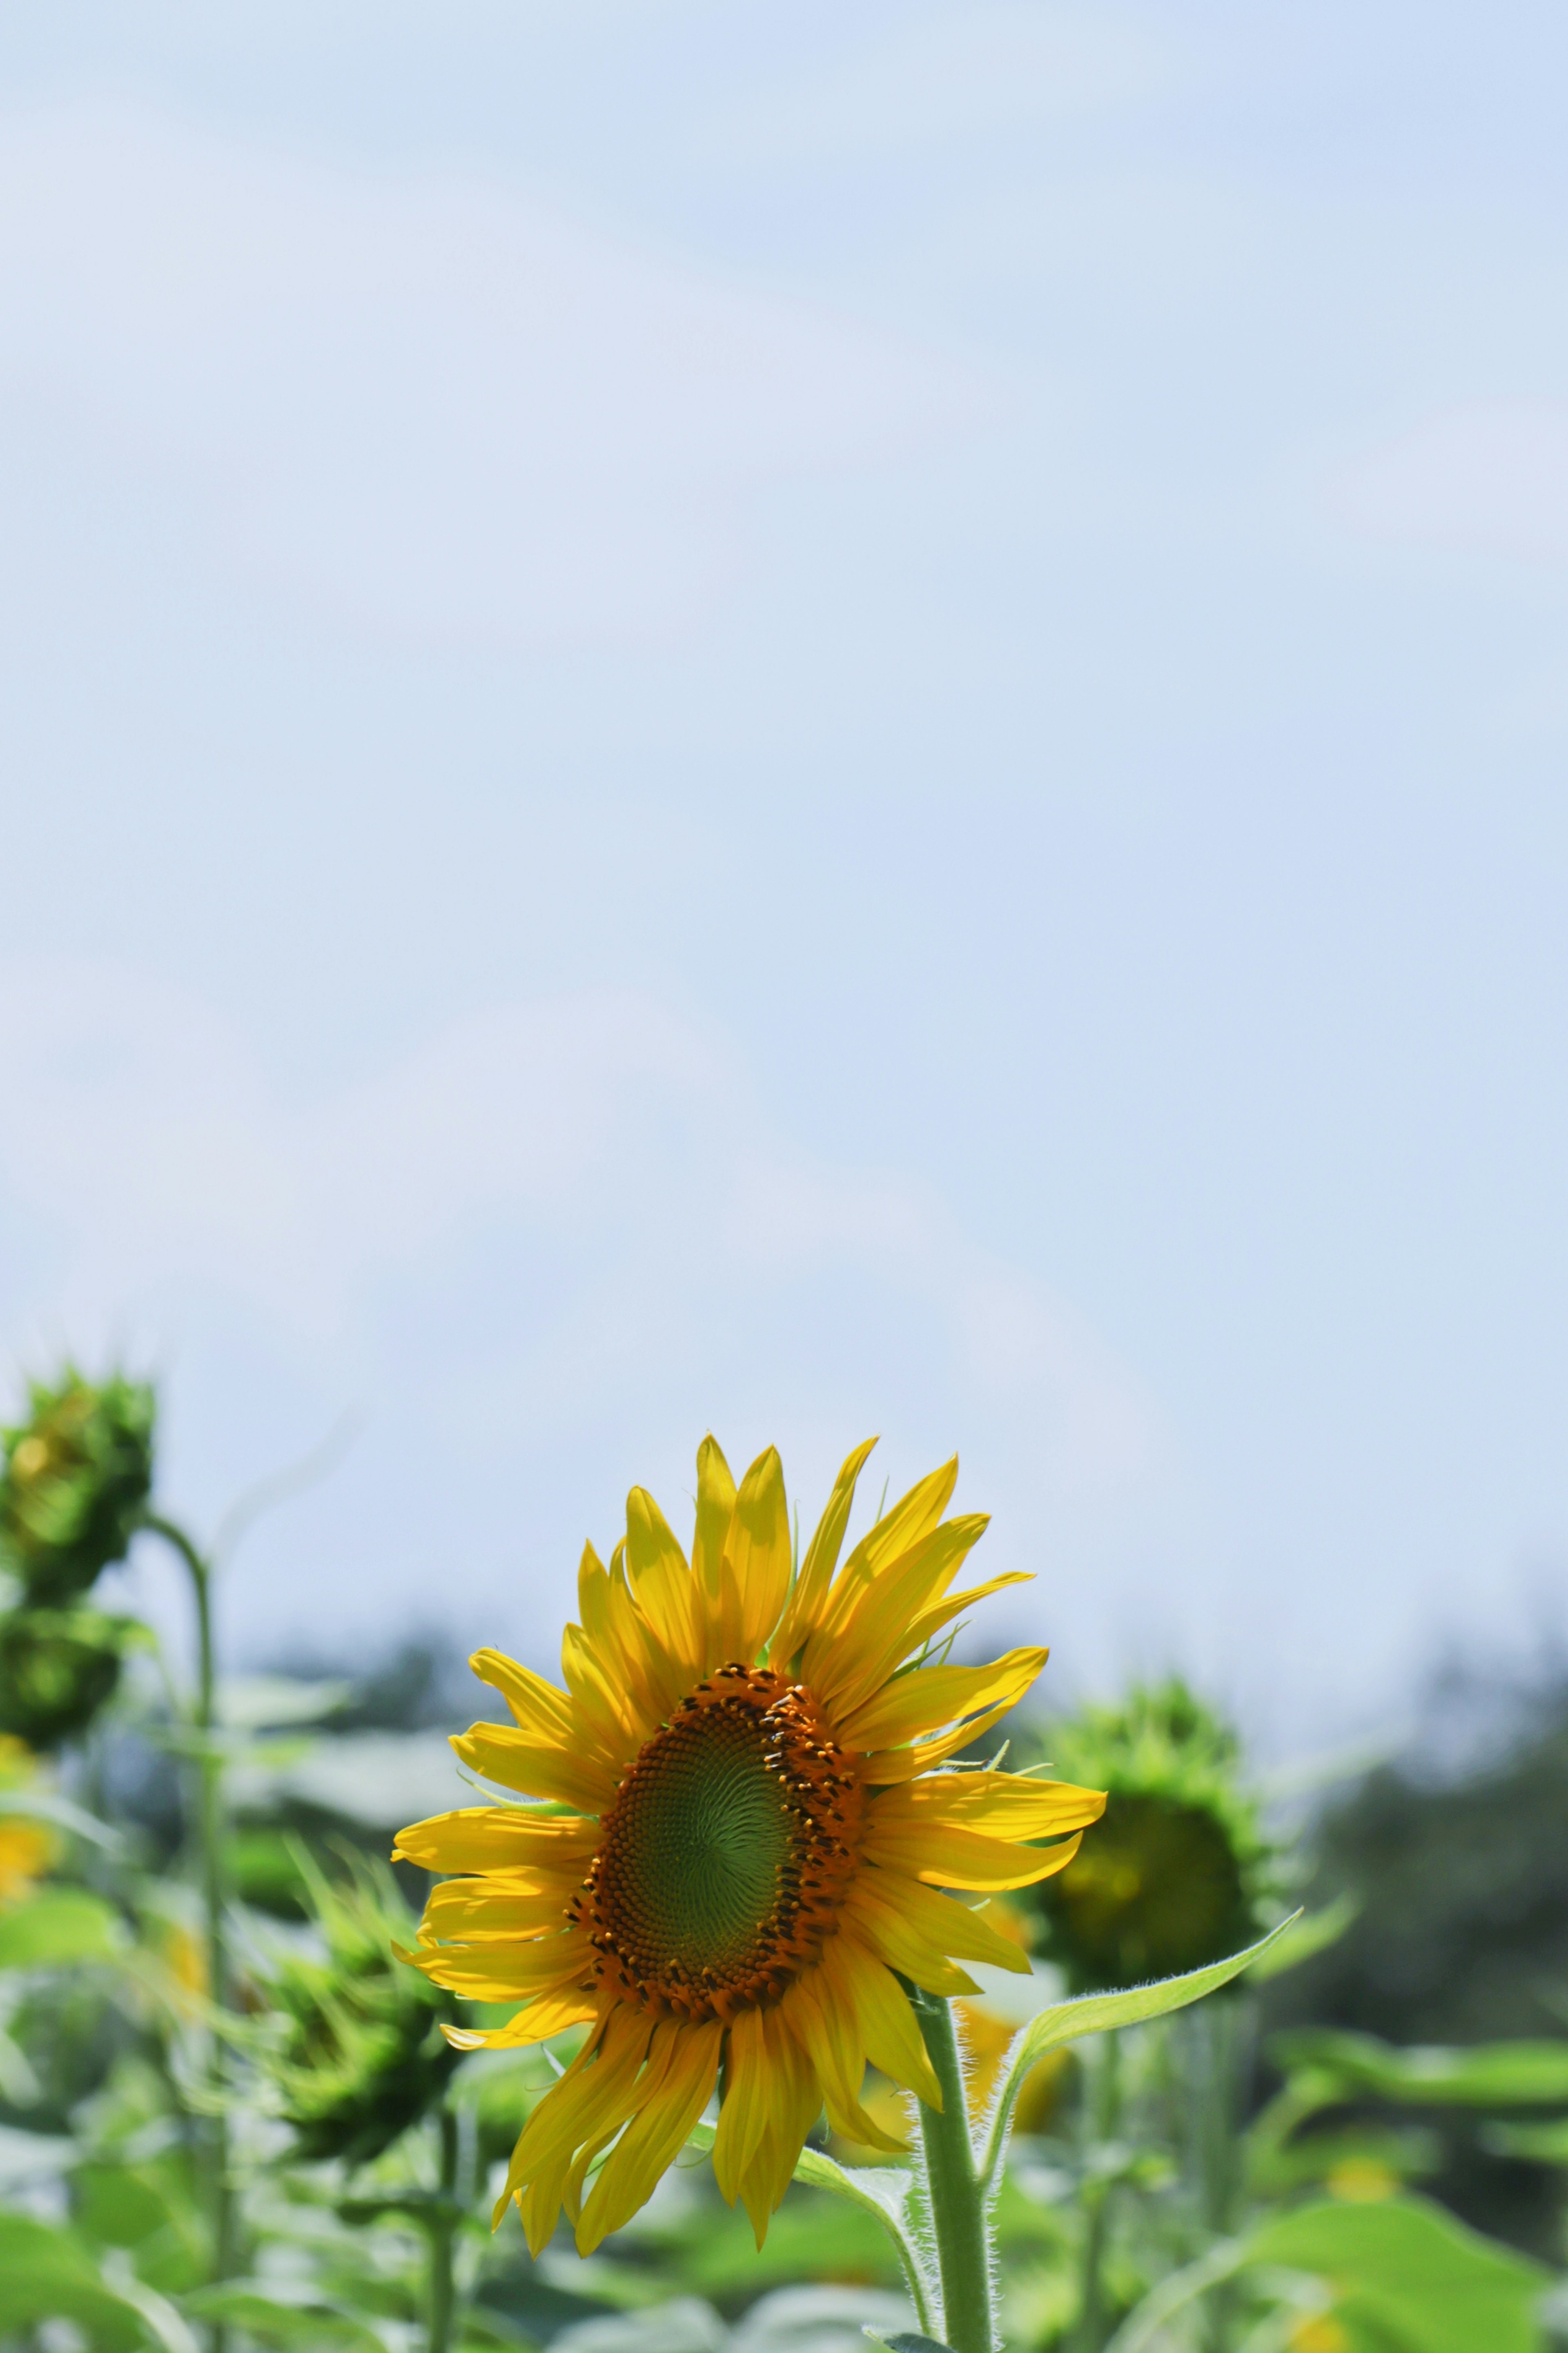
(808, 719)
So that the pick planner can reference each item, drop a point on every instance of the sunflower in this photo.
(1179, 1873)
(738, 1870)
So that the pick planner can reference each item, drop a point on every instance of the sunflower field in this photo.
(784, 1979)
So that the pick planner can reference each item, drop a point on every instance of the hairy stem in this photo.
(1104, 2120)
(959, 2208)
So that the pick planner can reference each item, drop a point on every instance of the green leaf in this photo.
(58, 1928)
(1406, 2273)
(906, 2343)
(1309, 1933)
(1491, 2074)
(1095, 2014)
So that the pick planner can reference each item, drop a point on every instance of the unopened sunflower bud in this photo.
(77, 1473)
(1177, 1872)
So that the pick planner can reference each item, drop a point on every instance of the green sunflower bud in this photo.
(1178, 1872)
(361, 2055)
(77, 1472)
(58, 1668)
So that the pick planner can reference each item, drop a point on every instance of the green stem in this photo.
(443, 2232)
(958, 2203)
(209, 1842)
(1104, 2122)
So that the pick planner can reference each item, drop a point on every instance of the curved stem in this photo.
(210, 1841)
(958, 2204)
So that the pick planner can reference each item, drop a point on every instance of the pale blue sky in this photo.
(817, 719)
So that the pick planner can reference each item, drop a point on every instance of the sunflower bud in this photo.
(361, 2057)
(1177, 1873)
(77, 1472)
(57, 1667)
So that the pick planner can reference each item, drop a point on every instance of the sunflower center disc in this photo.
(702, 1841)
(726, 1853)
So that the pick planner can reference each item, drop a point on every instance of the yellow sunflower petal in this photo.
(662, 1580)
(1012, 1806)
(930, 1622)
(715, 1503)
(496, 1838)
(757, 1551)
(743, 2117)
(821, 1559)
(461, 1911)
(909, 1924)
(890, 1933)
(544, 1715)
(827, 2029)
(507, 1973)
(897, 1532)
(547, 2014)
(930, 1696)
(794, 2103)
(889, 2032)
(503, 1754)
(888, 1765)
(655, 2134)
(846, 1664)
(609, 1709)
(596, 2093)
(951, 1858)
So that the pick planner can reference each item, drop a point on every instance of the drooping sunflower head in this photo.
(746, 1844)
(1179, 1873)
(77, 1475)
(58, 1669)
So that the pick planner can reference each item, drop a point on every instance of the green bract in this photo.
(78, 1475)
(1177, 1873)
(57, 1667)
(362, 2056)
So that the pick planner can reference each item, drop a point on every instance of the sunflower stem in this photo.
(210, 1847)
(959, 2206)
(1104, 2121)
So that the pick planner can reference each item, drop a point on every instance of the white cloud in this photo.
(1489, 477)
(430, 405)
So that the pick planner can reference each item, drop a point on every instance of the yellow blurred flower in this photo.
(27, 1848)
(1361, 2181)
(1319, 2333)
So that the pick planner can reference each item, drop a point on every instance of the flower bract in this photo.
(748, 1841)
